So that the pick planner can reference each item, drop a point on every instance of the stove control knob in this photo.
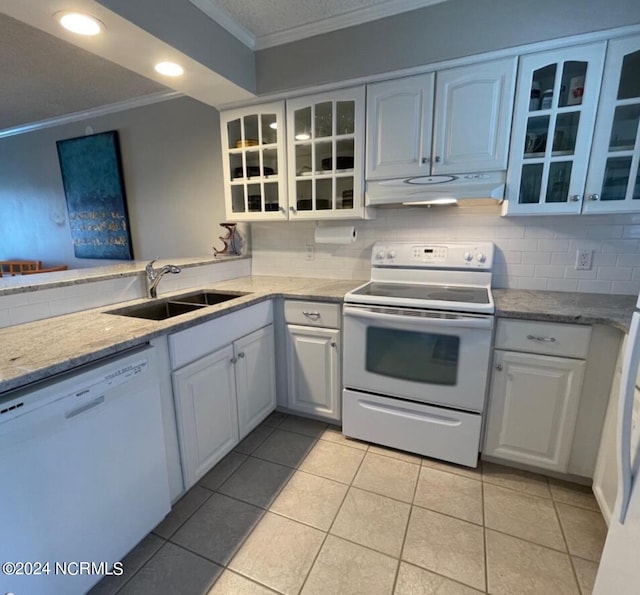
(468, 256)
(480, 257)
(391, 254)
(381, 254)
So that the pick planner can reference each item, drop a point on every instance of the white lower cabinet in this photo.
(536, 388)
(205, 396)
(223, 384)
(313, 370)
(221, 397)
(255, 378)
(533, 408)
(311, 350)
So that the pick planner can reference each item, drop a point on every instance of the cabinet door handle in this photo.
(313, 315)
(541, 339)
(425, 160)
(283, 210)
(499, 367)
(292, 209)
(575, 197)
(241, 354)
(233, 360)
(333, 344)
(437, 158)
(594, 197)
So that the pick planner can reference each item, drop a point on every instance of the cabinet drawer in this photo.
(312, 313)
(548, 338)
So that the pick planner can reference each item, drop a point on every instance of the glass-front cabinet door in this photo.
(613, 183)
(253, 159)
(554, 117)
(325, 149)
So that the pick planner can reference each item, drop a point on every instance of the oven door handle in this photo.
(460, 321)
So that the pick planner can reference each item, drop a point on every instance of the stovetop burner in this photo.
(472, 295)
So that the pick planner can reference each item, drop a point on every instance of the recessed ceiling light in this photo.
(169, 68)
(82, 24)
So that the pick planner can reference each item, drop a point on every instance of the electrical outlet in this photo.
(583, 260)
(310, 252)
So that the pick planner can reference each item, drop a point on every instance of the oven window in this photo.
(417, 356)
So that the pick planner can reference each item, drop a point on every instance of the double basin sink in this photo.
(175, 306)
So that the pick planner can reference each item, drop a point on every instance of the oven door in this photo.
(431, 357)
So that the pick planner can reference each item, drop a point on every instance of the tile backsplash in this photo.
(531, 252)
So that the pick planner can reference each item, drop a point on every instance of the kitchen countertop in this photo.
(560, 306)
(36, 350)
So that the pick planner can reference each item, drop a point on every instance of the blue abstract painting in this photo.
(91, 170)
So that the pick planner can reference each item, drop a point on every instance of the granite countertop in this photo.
(36, 350)
(559, 306)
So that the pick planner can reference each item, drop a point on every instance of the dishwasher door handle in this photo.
(84, 407)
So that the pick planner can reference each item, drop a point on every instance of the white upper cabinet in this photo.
(253, 161)
(613, 181)
(325, 148)
(454, 121)
(555, 111)
(472, 120)
(399, 115)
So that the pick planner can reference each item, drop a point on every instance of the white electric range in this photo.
(417, 344)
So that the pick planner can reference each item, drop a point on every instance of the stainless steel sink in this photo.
(206, 298)
(175, 306)
(157, 310)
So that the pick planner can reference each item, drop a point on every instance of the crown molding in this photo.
(341, 21)
(93, 112)
(226, 21)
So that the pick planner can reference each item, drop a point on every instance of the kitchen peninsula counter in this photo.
(37, 350)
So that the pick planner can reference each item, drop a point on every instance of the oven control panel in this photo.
(478, 255)
(430, 253)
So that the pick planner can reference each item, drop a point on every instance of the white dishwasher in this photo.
(83, 474)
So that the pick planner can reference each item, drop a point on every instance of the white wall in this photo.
(532, 252)
(432, 34)
(172, 171)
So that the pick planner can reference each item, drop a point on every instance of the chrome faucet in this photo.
(154, 276)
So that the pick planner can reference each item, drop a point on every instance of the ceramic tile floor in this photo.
(298, 508)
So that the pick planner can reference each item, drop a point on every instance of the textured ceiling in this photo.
(44, 77)
(267, 23)
(270, 16)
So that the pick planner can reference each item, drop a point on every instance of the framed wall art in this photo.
(91, 168)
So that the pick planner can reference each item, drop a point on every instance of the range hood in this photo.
(433, 190)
